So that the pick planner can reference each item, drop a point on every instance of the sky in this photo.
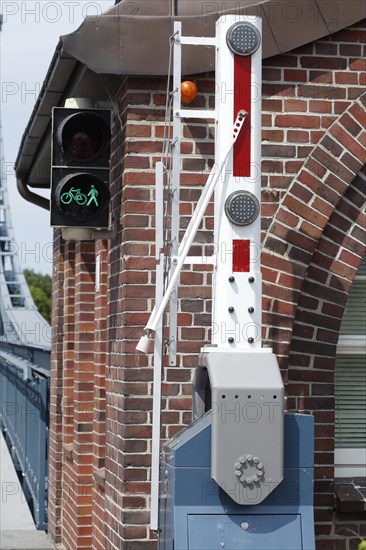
(29, 36)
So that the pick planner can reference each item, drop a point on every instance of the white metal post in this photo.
(240, 326)
(158, 347)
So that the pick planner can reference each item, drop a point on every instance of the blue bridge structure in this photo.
(25, 346)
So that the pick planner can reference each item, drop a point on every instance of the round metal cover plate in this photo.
(243, 38)
(242, 208)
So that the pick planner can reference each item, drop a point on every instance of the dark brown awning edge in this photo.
(119, 43)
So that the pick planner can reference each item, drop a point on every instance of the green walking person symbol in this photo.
(93, 193)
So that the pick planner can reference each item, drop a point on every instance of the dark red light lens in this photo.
(83, 136)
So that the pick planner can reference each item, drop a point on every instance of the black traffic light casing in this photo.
(80, 194)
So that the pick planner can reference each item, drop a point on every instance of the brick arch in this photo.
(301, 219)
(310, 374)
(324, 293)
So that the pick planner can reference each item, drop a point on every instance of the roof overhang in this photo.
(133, 39)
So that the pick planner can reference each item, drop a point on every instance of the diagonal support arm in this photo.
(192, 228)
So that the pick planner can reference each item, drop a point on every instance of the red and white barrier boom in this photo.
(247, 393)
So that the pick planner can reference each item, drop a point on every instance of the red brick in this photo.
(271, 74)
(134, 98)
(138, 130)
(271, 105)
(325, 48)
(346, 78)
(301, 193)
(321, 77)
(358, 113)
(298, 136)
(293, 167)
(295, 75)
(320, 106)
(306, 212)
(333, 165)
(318, 92)
(315, 168)
(352, 50)
(347, 141)
(297, 121)
(281, 61)
(273, 135)
(280, 90)
(357, 65)
(295, 105)
(317, 62)
(139, 162)
(288, 218)
(348, 122)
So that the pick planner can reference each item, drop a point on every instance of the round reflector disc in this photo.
(242, 208)
(243, 38)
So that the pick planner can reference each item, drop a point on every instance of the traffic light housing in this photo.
(80, 194)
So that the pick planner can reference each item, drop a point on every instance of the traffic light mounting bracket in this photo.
(89, 234)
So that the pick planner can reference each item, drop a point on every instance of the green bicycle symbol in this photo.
(80, 198)
(74, 195)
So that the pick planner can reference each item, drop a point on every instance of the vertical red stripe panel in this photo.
(241, 255)
(242, 100)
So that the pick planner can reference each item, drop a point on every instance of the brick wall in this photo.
(314, 108)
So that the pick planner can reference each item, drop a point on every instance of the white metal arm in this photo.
(192, 228)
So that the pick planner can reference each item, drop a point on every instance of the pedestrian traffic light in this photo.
(80, 193)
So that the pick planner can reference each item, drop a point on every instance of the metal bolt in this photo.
(231, 279)
(251, 279)
(244, 525)
(251, 309)
(231, 309)
(231, 340)
(250, 340)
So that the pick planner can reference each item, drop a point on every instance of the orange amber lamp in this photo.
(188, 91)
